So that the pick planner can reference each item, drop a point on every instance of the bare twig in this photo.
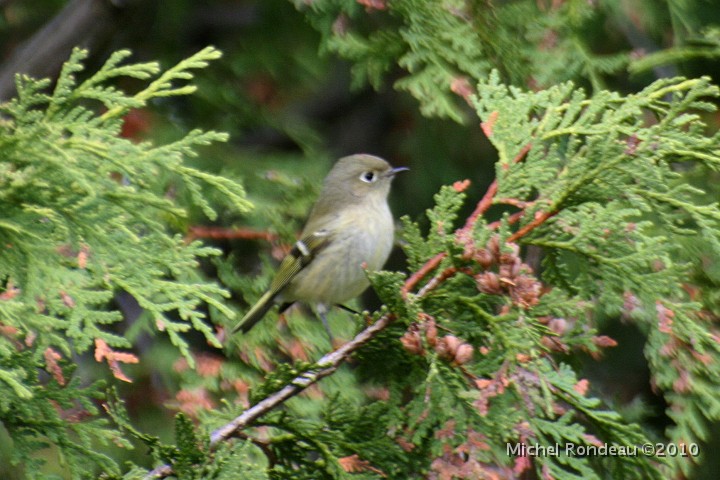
(537, 221)
(421, 273)
(441, 277)
(200, 231)
(462, 235)
(521, 154)
(482, 207)
(489, 198)
(511, 219)
(327, 365)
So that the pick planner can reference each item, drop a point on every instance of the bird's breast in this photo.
(359, 239)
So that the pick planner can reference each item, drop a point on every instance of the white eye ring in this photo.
(368, 177)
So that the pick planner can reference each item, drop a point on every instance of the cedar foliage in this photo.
(85, 215)
(483, 348)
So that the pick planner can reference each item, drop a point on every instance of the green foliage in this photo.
(606, 207)
(486, 340)
(190, 457)
(612, 165)
(617, 213)
(39, 414)
(440, 45)
(85, 216)
(514, 390)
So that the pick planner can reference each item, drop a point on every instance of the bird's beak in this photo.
(396, 170)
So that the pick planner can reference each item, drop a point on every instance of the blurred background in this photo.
(291, 108)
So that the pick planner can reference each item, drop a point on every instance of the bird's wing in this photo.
(302, 253)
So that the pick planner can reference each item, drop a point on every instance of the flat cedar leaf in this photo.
(85, 218)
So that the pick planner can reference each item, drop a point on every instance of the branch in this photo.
(482, 207)
(462, 235)
(537, 221)
(420, 274)
(327, 365)
(441, 277)
(489, 198)
(264, 446)
(200, 231)
(511, 220)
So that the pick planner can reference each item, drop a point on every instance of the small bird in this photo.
(350, 229)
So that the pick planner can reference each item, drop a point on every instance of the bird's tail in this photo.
(256, 313)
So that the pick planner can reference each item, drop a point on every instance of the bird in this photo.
(349, 230)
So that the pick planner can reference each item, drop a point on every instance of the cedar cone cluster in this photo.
(449, 347)
(503, 273)
(512, 277)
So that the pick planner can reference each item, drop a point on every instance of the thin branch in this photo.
(264, 446)
(522, 153)
(441, 277)
(514, 202)
(511, 219)
(537, 221)
(489, 198)
(327, 365)
(461, 235)
(415, 278)
(200, 231)
(482, 207)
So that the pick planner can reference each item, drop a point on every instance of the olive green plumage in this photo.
(350, 229)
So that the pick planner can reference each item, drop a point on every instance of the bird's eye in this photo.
(368, 177)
